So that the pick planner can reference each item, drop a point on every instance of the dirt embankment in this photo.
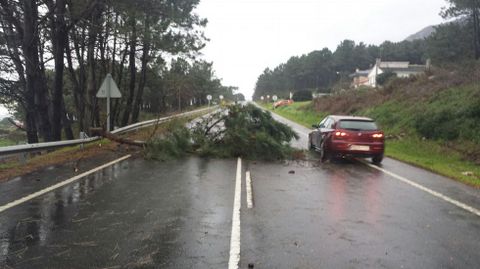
(413, 90)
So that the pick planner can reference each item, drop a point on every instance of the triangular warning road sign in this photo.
(109, 83)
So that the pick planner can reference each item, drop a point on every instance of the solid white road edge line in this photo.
(59, 185)
(427, 190)
(249, 190)
(234, 260)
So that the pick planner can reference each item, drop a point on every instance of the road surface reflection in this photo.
(32, 223)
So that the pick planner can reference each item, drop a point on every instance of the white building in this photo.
(401, 69)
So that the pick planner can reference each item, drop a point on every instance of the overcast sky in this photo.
(3, 112)
(246, 36)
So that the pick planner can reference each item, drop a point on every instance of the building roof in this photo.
(394, 65)
(360, 73)
(409, 69)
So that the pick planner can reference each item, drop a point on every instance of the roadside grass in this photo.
(144, 116)
(13, 168)
(434, 157)
(10, 136)
(4, 142)
(394, 118)
(299, 112)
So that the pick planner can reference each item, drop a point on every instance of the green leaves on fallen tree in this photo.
(244, 131)
(237, 131)
(173, 144)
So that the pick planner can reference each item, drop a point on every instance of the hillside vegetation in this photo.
(432, 121)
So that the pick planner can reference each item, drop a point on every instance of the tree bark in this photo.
(143, 78)
(116, 104)
(36, 88)
(80, 86)
(66, 123)
(476, 33)
(91, 65)
(78, 92)
(59, 33)
(133, 71)
(115, 138)
(14, 32)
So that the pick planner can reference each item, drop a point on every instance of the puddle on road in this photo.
(31, 223)
(303, 163)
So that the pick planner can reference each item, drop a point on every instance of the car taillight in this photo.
(377, 135)
(340, 135)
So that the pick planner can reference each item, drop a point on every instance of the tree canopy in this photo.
(321, 70)
(54, 55)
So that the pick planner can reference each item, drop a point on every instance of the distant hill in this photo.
(424, 33)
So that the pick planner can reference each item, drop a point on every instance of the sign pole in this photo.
(209, 97)
(108, 103)
(109, 90)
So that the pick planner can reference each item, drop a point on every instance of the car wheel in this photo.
(324, 154)
(377, 159)
(310, 144)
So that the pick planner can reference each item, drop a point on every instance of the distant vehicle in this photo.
(282, 103)
(348, 136)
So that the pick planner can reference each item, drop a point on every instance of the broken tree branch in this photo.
(101, 132)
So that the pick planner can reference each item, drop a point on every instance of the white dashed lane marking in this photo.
(248, 184)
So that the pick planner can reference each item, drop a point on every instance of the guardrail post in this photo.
(22, 157)
(83, 135)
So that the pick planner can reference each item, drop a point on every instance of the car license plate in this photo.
(359, 148)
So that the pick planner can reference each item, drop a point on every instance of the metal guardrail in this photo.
(51, 145)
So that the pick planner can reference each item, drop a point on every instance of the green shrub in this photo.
(451, 114)
(385, 77)
(437, 125)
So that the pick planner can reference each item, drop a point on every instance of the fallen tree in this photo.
(101, 132)
(237, 131)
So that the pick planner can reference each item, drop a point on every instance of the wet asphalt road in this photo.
(178, 214)
(136, 214)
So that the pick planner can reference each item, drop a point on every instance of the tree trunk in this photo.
(78, 91)
(66, 123)
(32, 136)
(476, 34)
(133, 71)
(36, 87)
(91, 66)
(114, 52)
(115, 112)
(82, 79)
(143, 78)
(59, 37)
(28, 98)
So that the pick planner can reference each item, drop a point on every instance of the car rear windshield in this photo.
(357, 125)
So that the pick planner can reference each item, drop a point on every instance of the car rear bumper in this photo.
(343, 148)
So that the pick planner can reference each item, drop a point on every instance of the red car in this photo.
(282, 103)
(348, 136)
